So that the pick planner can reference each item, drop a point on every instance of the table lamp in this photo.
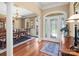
(75, 18)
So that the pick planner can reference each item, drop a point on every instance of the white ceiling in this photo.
(46, 5)
(21, 11)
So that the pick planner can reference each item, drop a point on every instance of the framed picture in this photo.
(76, 7)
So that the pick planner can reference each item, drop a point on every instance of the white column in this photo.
(25, 23)
(48, 22)
(39, 29)
(59, 34)
(9, 30)
(36, 23)
(44, 27)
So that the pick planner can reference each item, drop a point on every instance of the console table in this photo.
(65, 47)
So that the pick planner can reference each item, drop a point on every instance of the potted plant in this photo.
(65, 30)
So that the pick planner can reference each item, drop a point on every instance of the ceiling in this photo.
(46, 5)
(20, 11)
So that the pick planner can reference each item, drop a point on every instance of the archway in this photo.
(34, 8)
(52, 24)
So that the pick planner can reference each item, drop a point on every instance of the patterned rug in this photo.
(50, 49)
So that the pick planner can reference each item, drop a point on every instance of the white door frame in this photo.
(58, 25)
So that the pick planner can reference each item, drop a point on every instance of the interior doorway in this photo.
(53, 24)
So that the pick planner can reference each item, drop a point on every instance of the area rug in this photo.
(51, 49)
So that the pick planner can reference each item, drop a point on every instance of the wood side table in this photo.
(65, 47)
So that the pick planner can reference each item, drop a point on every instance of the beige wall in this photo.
(17, 23)
(23, 23)
(71, 25)
(30, 20)
(71, 9)
(33, 29)
(34, 8)
(64, 8)
(60, 9)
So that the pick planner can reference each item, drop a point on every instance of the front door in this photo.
(53, 24)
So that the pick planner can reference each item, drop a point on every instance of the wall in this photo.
(60, 9)
(17, 23)
(71, 25)
(34, 8)
(33, 29)
(63, 8)
(23, 23)
(31, 20)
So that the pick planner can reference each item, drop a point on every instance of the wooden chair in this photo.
(2, 38)
(3, 41)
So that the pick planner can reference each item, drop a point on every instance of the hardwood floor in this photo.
(31, 48)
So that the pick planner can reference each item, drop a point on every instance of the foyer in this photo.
(34, 28)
